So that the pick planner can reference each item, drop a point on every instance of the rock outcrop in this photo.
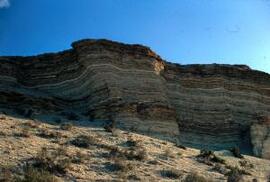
(260, 137)
(205, 106)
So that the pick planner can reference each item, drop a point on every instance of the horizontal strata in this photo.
(206, 106)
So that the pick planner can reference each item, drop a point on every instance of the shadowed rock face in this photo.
(204, 106)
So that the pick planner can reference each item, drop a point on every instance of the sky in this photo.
(181, 31)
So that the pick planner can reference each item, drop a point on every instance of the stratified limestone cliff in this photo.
(206, 106)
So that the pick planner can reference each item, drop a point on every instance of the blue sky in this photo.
(183, 31)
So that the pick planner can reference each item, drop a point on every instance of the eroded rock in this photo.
(205, 106)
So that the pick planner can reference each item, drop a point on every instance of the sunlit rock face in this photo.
(260, 138)
(204, 106)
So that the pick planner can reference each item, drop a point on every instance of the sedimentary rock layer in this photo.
(206, 106)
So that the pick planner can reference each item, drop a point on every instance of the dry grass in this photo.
(195, 177)
(84, 141)
(128, 157)
(53, 161)
(171, 173)
(66, 126)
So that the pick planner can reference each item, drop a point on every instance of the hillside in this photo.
(105, 110)
(86, 152)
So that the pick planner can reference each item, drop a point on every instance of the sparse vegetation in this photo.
(236, 152)
(171, 173)
(6, 174)
(110, 127)
(79, 157)
(32, 124)
(133, 143)
(2, 133)
(169, 154)
(25, 132)
(84, 141)
(66, 126)
(36, 175)
(44, 133)
(195, 177)
(208, 157)
(133, 153)
(235, 175)
(131, 157)
(53, 161)
(119, 164)
(245, 164)
(220, 168)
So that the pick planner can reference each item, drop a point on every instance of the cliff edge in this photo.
(204, 106)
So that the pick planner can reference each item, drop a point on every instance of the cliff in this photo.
(204, 106)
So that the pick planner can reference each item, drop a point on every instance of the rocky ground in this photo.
(69, 150)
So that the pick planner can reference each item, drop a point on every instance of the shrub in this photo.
(2, 133)
(136, 154)
(236, 152)
(6, 175)
(168, 153)
(218, 159)
(130, 154)
(32, 124)
(120, 164)
(220, 168)
(208, 156)
(66, 126)
(133, 143)
(49, 134)
(235, 175)
(79, 157)
(153, 162)
(111, 126)
(34, 175)
(245, 164)
(25, 132)
(52, 161)
(194, 177)
(171, 173)
(84, 141)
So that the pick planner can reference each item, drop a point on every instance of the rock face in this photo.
(204, 106)
(260, 138)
